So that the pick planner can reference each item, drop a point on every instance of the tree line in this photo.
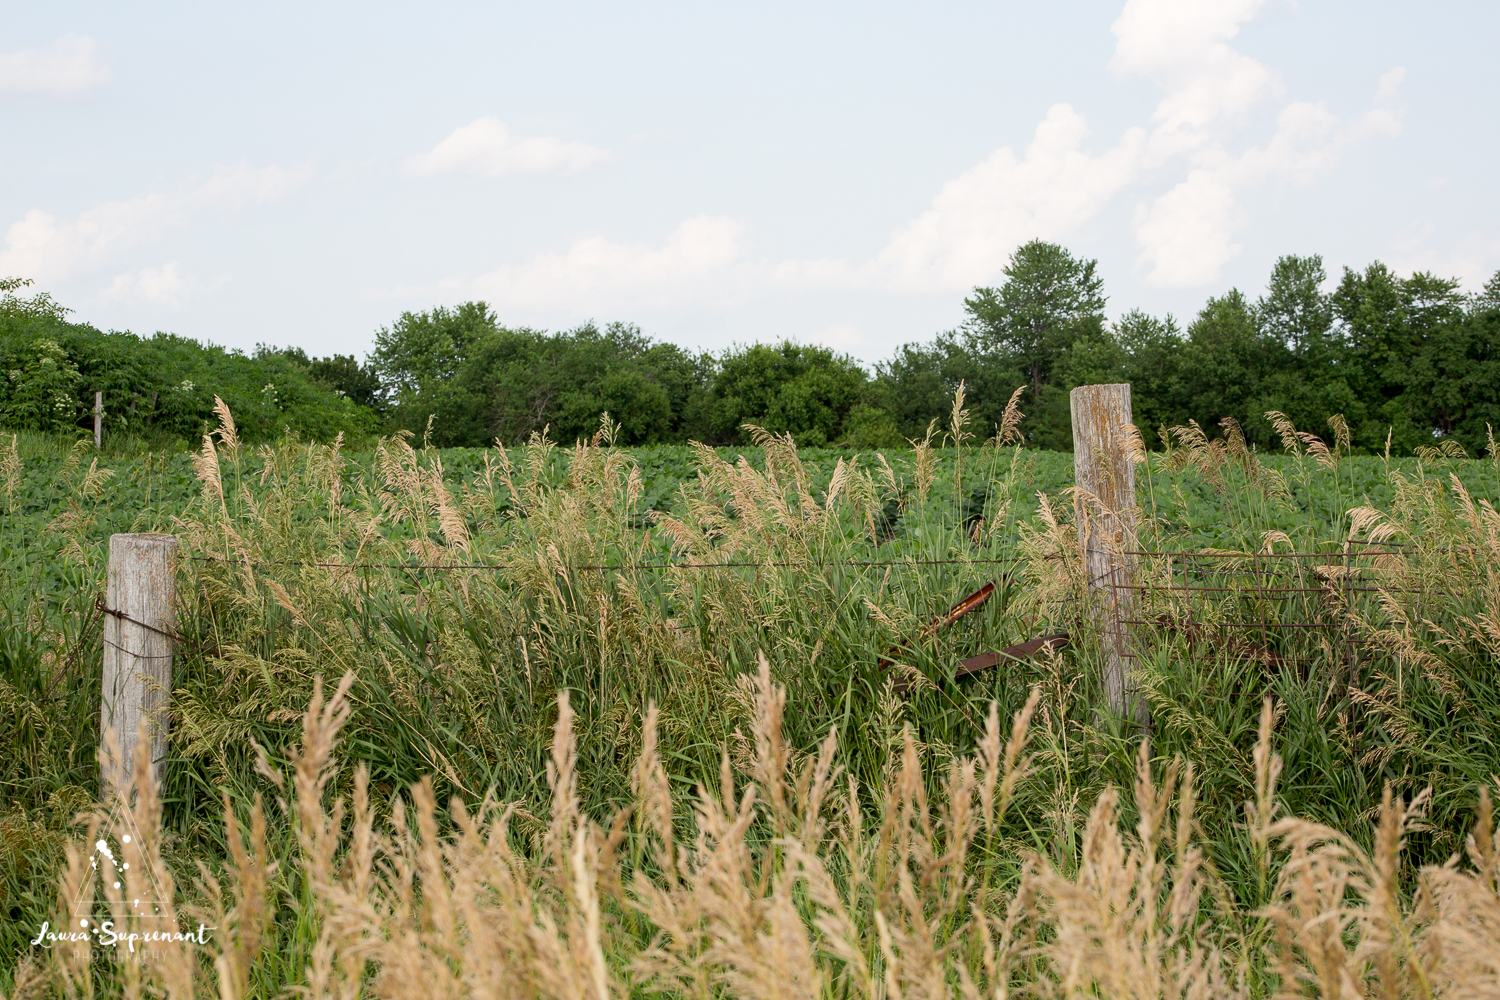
(1408, 361)
(161, 388)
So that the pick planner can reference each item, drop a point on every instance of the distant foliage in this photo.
(1410, 362)
(815, 395)
(157, 387)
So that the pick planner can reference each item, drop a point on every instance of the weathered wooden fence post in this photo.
(139, 622)
(1104, 468)
(98, 419)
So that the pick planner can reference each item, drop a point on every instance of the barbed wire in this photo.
(789, 563)
(599, 567)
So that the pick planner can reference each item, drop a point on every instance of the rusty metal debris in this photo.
(1018, 653)
(948, 617)
(1012, 654)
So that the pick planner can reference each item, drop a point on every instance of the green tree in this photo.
(1227, 355)
(1407, 340)
(346, 376)
(1049, 300)
(805, 390)
(41, 389)
(1310, 382)
(918, 381)
(421, 350)
(1151, 361)
(521, 381)
(39, 306)
(161, 387)
(1295, 310)
(1479, 383)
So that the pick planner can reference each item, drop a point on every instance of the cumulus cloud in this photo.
(840, 337)
(978, 218)
(42, 246)
(1183, 45)
(486, 148)
(1191, 153)
(165, 285)
(1187, 234)
(68, 67)
(697, 258)
(1211, 94)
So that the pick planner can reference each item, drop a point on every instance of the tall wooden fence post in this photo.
(139, 622)
(1103, 467)
(98, 419)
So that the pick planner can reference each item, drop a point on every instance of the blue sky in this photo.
(839, 174)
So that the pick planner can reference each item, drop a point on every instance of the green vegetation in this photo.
(157, 389)
(1409, 363)
(650, 618)
(455, 672)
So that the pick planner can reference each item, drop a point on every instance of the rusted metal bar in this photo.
(1011, 654)
(948, 617)
(960, 609)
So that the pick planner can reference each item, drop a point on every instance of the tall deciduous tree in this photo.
(1152, 350)
(423, 349)
(1049, 300)
(1295, 309)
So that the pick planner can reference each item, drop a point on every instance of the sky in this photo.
(841, 174)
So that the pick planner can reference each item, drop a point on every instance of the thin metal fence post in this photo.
(139, 622)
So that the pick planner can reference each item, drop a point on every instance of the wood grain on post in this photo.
(139, 622)
(98, 419)
(1103, 468)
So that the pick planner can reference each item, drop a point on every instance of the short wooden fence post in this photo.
(1104, 468)
(139, 622)
(98, 419)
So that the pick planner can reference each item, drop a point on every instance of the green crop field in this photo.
(764, 777)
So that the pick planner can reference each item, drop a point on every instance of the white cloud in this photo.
(486, 148)
(44, 247)
(978, 218)
(1191, 151)
(841, 337)
(1384, 120)
(164, 285)
(1211, 94)
(1187, 234)
(69, 67)
(1473, 260)
(696, 259)
(1187, 231)
(1182, 45)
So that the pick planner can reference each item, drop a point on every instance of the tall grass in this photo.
(734, 679)
(786, 878)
